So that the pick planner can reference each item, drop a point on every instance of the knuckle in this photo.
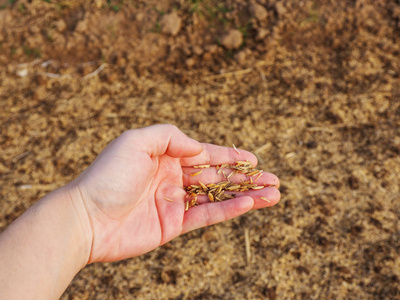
(127, 134)
(172, 127)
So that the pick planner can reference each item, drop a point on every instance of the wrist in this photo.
(82, 224)
(52, 240)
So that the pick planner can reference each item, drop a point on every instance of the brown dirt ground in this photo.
(313, 90)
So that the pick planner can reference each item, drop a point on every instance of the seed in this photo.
(197, 173)
(193, 202)
(242, 162)
(265, 199)
(269, 185)
(258, 177)
(211, 191)
(253, 173)
(203, 186)
(233, 187)
(231, 174)
(227, 196)
(211, 197)
(169, 200)
(234, 147)
(201, 166)
(250, 185)
(217, 191)
(258, 187)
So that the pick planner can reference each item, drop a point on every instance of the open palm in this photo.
(128, 190)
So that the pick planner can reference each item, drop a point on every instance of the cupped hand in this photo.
(128, 189)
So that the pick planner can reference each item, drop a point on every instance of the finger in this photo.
(213, 213)
(217, 155)
(210, 175)
(163, 139)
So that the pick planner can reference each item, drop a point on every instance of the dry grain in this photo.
(222, 190)
(234, 147)
(197, 173)
(265, 199)
(169, 200)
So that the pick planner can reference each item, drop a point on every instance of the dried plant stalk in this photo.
(247, 244)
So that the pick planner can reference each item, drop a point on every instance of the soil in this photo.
(311, 87)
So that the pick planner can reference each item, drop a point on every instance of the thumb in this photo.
(165, 139)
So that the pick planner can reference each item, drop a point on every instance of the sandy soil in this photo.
(311, 87)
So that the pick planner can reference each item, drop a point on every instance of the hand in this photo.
(123, 191)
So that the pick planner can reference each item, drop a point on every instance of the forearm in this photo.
(42, 250)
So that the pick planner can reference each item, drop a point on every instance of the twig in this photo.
(238, 72)
(94, 73)
(32, 63)
(247, 243)
(46, 63)
(326, 129)
(23, 155)
(52, 75)
(262, 148)
(229, 74)
(35, 187)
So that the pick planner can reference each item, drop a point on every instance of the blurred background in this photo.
(311, 87)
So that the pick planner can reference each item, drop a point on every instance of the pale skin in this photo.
(116, 209)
